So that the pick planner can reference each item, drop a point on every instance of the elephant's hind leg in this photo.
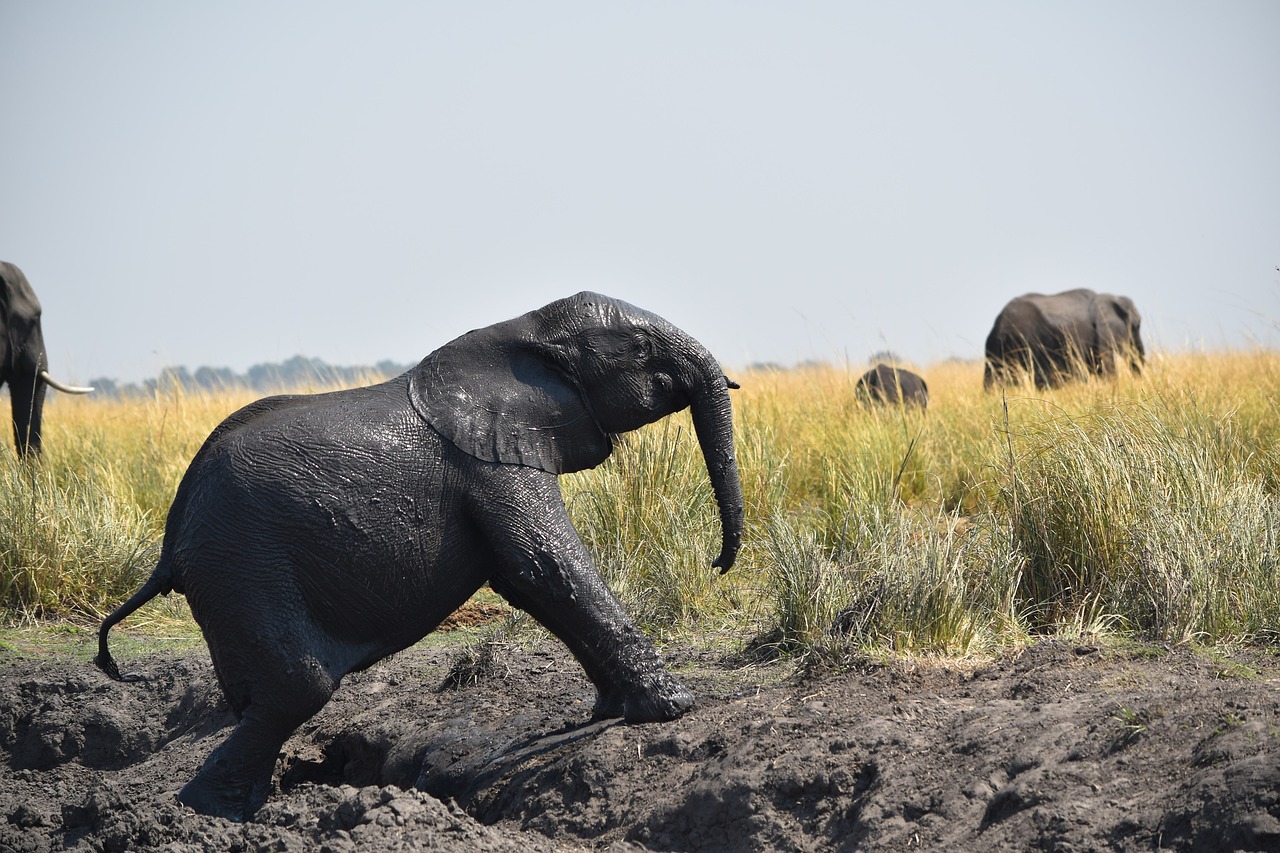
(236, 777)
(544, 569)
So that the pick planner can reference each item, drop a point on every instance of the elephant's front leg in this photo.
(544, 569)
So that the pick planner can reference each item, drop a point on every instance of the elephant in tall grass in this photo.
(1054, 338)
(893, 385)
(24, 364)
(314, 535)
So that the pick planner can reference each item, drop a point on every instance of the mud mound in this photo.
(1059, 748)
(474, 614)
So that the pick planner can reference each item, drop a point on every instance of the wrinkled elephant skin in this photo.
(23, 362)
(314, 535)
(1056, 337)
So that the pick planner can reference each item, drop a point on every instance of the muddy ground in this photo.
(1060, 747)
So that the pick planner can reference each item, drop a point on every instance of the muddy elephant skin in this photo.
(313, 535)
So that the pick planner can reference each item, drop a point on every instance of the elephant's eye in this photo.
(639, 348)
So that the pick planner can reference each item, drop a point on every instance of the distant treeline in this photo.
(301, 372)
(297, 372)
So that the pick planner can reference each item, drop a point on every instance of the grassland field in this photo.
(1135, 507)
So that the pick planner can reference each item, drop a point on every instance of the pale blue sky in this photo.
(237, 182)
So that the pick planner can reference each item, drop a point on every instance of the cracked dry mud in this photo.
(1059, 747)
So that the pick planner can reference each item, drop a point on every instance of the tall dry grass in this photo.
(80, 527)
(1144, 505)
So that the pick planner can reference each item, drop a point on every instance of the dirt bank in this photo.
(1062, 748)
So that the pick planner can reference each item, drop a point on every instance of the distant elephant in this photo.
(1052, 338)
(314, 535)
(893, 385)
(23, 363)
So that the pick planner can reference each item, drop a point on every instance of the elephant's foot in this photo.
(221, 801)
(225, 787)
(662, 698)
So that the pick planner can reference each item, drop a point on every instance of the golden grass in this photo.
(1145, 505)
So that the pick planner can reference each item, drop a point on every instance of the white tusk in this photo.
(66, 389)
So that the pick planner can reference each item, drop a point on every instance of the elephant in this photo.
(23, 363)
(893, 385)
(1055, 337)
(314, 535)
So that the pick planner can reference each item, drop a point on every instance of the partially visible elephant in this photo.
(23, 363)
(893, 385)
(314, 535)
(1053, 337)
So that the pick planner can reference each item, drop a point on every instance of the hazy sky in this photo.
(230, 183)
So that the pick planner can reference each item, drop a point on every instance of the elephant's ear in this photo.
(505, 403)
(1127, 311)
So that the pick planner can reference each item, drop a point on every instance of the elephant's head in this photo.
(548, 388)
(23, 363)
(1119, 328)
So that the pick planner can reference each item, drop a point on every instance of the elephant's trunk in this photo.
(28, 414)
(1138, 354)
(713, 421)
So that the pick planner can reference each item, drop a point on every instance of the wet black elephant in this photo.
(1054, 338)
(24, 365)
(314, 535)
(892, 385)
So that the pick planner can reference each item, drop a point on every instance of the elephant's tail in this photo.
(160, 582)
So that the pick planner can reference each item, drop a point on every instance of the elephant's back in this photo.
(1024, 321)
(1053, 309)
(299, 467)
(324, 504)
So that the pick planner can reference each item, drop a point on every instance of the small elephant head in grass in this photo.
(314, 535)
(892, 385)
